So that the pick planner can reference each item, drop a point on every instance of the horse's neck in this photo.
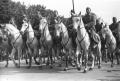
(30, 32)
(46, 33)
(109, 36)
(82, 31)
(13, 31)
(64, 29)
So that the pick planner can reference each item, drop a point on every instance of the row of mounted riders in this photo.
(59, 50)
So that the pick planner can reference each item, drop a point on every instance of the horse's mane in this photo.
(11, 28)
(108, 31)
(64, 28)
(30, 27)
(81, 19)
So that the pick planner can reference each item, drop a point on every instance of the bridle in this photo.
(63, 45)
(78, 28)
(9, 37)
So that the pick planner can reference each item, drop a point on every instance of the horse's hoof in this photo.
(90, 69)
(37, 63)
(118, 63)
(6, 66)
(65, 69)
(99, 67)
(73, 65)
(43, 61)
(112, 65)
(47, 63)
(85, 71)
(53, 61)
(28, 67)
(18, 66)
(51, 67)
(40, 67)
(60, 65)
(78, 68)
(105, 61)
(109, 70)
(26, 62)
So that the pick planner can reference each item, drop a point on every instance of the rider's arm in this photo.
(93, 21)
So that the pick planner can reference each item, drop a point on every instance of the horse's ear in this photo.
(39, 15)
(79, 13)
(2, 26)
(59, 20)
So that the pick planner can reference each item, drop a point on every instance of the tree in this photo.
(4, 11)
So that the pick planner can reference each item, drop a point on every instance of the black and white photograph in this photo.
(59, 40)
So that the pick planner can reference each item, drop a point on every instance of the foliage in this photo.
(9, 9)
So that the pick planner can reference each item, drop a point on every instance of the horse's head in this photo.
(43, 24)
(58, 28)
(4, 30)
(105, 30)
(77, 21)
(24, 28)
(3, 34)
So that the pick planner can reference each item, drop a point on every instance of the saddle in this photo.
(95, 38)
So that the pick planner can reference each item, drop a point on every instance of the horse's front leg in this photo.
(40, 58)
(117, 56)
(36, 54)
(7, 58)
(93, 60)
(19, 55)
(59, 56)
(12, 56)
(112, 56)
(26, 56)
(99, 57)
(78, 59)
(66, 61)
(85, 52)
(51, 59)
(30, 57)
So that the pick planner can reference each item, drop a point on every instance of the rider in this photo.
(25, 20)
(113, 26)
(71, 31)
(56, 17)
(98, 25)
(90, 21)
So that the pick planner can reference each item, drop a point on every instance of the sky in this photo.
(105, 9)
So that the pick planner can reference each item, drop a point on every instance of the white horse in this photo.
(4, 46)
(15, 40)
(46, 39)
(95, 49)
(110, 41)
(32, 42)
(66, 42)
(83, 42)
